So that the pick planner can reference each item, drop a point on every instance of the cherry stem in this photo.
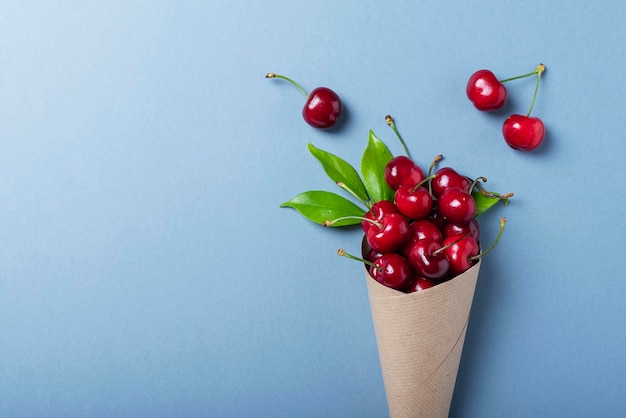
(274, 75)
(349, 190)
(492, 246)
(427, 179)
(477, 181)
(343, 218)
(434, 163)
(343, 253)
(392, 124)
(450, 244)
(539, 70)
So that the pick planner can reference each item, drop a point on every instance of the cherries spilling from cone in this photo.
(429, 233)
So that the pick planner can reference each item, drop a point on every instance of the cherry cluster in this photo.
(487, 93)
(428, 233)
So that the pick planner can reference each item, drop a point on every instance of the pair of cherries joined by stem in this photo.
(488, 93)
(322, 108)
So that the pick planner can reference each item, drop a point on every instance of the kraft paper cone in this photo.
(420, 338)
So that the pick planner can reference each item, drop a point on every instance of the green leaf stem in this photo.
(321, 206)
(375, 159)
(487, 200)
(342, 173)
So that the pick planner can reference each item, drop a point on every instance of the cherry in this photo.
(414, 202)
(391, 270)
(523, 133)
(323, 106)
(376, 213)
(420, 284)
(485, 91)
(456, 205)
(372, 255)
(401, 170)
(463, 228)
(425, 228)
(390, 234)
(422, 229)
(461, 252)
(428, 259)
(448, 177)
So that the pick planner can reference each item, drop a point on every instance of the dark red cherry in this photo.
(425, 228)
(377, 211)
(322, 109)
(390, 235)
(460, 251)
(421, 283)
(427, 260)
(401, 170)
(413, 202)
(393, 270)
(448, 177)
(485, 91)
(524, 133)
(456, 205)
(463, 228)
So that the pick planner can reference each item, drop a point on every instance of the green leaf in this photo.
(485, 202)
(342, 173)
(373, 163)
(320, 206)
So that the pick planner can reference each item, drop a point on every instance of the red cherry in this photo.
(323, 106)
(523, 133)
(463, 228)
(460, 253)
(414, 203)
(390, 234)
(448, 177)
(376, 213)
(322, 109)
(485, 91)
(427, 260)
(421, 283)
(393, 270)
(425, 228)
(401, 170)
(456, 205)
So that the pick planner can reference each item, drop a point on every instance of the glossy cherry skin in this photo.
(377, 211)
(524, 133)
(401, 170)
(425, 228)
(426, 261)
(322, 108)
(422, 229)
(456, 205)
(391, 236)
(463, 228)
(414, 203)
(460, 253)
(448, 177)
(393, 270)
(485, 91)
(419, 284)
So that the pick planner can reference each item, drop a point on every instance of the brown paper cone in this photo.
(420, 338)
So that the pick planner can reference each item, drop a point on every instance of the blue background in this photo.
(147, 270)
